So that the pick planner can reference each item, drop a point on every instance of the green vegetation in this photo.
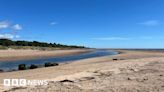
(6, 43)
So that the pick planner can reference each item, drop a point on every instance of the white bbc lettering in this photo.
(6, 82)
(14, 82)
(22, 82)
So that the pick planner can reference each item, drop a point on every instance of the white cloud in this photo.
(17, 27)
(12, 28)
(53, 23)
(17, 36)
(7, 25)
(150, 23)
(8, 36)
(4, 25)
(111, 38)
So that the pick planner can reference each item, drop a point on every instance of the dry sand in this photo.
(137, 71)
(6, 55)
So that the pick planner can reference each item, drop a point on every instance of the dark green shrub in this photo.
(8, 42)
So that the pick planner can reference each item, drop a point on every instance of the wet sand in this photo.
(13, 55)
(134, 71)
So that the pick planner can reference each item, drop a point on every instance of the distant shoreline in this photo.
(14, 55)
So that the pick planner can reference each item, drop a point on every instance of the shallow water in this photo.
(10, 65)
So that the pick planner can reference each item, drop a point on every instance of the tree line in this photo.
(8, 42)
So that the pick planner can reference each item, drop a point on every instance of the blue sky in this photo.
(93, 23)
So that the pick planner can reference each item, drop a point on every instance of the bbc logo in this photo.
(23, 82)
(14, 82)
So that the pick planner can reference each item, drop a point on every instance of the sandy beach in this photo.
(7, 55)
(134, 71)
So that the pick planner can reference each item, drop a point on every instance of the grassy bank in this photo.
(33, 45)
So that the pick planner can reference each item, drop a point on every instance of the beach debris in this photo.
(115, 59)
(22, 67)
(1, 71)
(87, 78)
(142, 79)
(66, 80)
(33, 66)
(161, 75)
(50, 64)
(129, 78)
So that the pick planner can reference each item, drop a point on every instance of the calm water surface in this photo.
(9, 65)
